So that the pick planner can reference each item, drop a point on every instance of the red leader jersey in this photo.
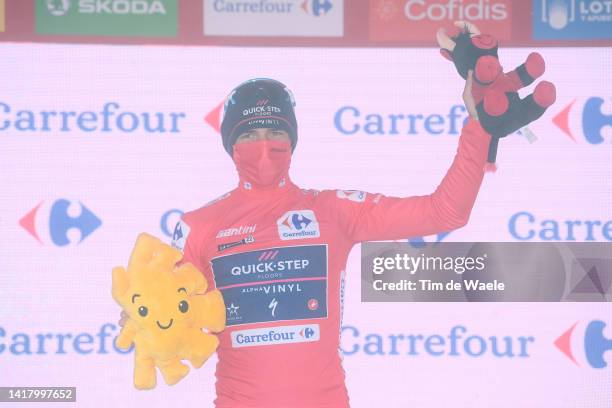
(278, 257)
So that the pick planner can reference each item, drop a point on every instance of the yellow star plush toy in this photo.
(167, 307)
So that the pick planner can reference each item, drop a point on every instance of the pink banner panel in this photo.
(100, 143)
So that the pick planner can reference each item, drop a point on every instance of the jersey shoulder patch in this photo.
(352, 195)
(180, 234)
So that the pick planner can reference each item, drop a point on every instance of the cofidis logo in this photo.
(62, 216)
(111, 118)
(572, 19)
(585, 119)
(589, 339)
(155, 18)
(418, 20)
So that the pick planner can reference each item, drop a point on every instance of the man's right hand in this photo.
(447, 43)
(123, 318)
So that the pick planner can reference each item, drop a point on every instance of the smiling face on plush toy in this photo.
(155, 294)
(143, 310)
(159, 305)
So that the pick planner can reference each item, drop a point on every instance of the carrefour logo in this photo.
(350, 120)
(214, 117)
(592, 341)
(276, 335)
(313, 7)
(527, 226)
(459, 341)
(20, 343)
(110, 119)
(298, 225)
(63, 216)
(317, 7)
(591, 118)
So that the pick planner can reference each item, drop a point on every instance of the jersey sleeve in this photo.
(371, 217)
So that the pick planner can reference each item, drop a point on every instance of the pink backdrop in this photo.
(132, 180)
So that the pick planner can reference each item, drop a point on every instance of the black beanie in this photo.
(258, 103)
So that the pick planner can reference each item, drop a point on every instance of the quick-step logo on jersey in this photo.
(300, 224)
(276, 335)
(274, 284)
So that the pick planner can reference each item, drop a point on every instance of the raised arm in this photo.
(372, 217)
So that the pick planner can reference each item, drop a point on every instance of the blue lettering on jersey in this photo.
(273, 284)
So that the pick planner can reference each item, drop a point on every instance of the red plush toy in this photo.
(500, 109)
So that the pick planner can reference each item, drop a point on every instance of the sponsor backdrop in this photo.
(338, 23)
(100, 143)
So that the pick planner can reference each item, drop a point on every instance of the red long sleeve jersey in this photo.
(278, 257)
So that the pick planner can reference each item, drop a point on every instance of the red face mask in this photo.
(263, 163)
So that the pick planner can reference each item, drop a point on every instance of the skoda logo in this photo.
(58, 7)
